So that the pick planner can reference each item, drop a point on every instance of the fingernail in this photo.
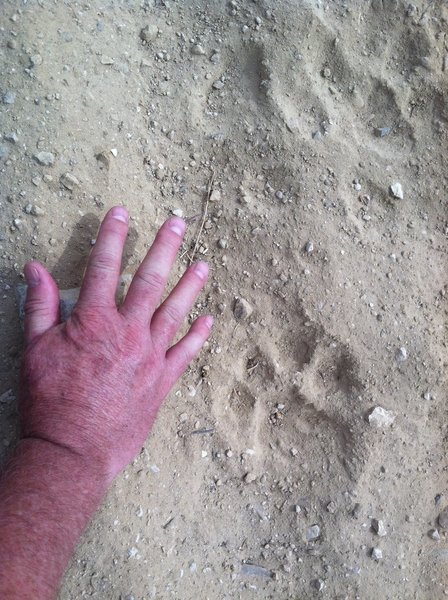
(177, 226)
(120, 213)
(201, 270)
(208, 321)
(32, 276)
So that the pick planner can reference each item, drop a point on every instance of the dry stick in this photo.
(204, 216)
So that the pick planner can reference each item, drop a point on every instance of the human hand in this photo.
(94, 384)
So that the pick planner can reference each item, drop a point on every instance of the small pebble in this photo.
(160, 173)
(149, 33)
(8, 97)
(107, 60)
(312, 533)
(378, 527)
(309, 247)
(46, 159)
(37, 211)
(35, 60)
(382, 131)
(318, 584)
(178, 212)
(222, 243)
(396, 190)
(218, 85)
(401, 354)
(242, 309)
(249, 477)
(215, 196)
(434, 534)
(11, 137)
(376, 554)
(197, 50)
(69, 181)
(12, 44)
(380, 417)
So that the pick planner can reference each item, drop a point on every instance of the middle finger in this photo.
(152, 275)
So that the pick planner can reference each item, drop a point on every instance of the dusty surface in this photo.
(347, 283)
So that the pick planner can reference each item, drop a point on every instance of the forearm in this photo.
(47, 497)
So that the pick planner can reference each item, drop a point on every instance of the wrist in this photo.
(47, 496)
(65, 464)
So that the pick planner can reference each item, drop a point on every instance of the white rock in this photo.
(312, 533)
(215, 196)
(36, 59)
(197, 49)
(378, 527)
(377, 554)
(149, 33)
(46, 159)
(380, 417)
(250, 477)
(402, 354)
(309, 247)
(11, 137)
(69, 181)
(396, 190)
(434, 534)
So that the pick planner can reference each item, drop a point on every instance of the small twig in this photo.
(203, 430)
(204, 216)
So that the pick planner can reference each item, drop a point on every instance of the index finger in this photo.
(103, 268)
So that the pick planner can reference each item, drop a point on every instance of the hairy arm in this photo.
(47, 496)
(90, 392)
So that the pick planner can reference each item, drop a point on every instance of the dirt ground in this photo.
(324, 127)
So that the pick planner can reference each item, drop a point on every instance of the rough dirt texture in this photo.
(268, 434)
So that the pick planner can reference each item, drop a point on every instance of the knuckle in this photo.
(151, 280)
(35, 306)
(104, 261)
(171, 313)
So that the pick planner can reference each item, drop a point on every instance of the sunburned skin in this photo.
(90, 392)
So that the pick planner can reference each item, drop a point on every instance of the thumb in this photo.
(42, 301)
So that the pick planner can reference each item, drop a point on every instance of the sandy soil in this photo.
(268, 434)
